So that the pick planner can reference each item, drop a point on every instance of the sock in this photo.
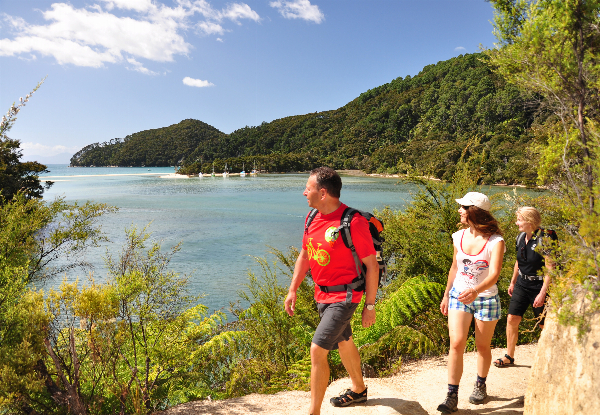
(453, 389)
(480, 380)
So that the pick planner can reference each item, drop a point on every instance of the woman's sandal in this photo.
(348, 398)
(501, 363)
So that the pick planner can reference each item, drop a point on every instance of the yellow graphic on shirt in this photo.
(331, 235)
(320, 255)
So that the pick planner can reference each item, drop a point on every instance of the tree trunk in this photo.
(76, 405)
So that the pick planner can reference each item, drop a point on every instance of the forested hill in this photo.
(168, 146)
(422, 123)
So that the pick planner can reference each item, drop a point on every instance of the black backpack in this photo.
(375, 227)
(546, 246)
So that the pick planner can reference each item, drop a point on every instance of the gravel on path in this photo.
(417, 389)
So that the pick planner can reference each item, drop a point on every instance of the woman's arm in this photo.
(513, 280)
(541, 297)
(469, 295)
(451, 277)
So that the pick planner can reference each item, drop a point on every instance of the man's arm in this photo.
(372, 283)
(300, 270)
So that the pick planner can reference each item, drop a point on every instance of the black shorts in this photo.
(522, 298)
(335, 324)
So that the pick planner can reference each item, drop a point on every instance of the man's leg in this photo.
(319, 377)
(351, 361)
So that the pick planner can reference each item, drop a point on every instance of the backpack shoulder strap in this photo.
(344, 228)
(309, 219)
(346, 234)
(520, 237)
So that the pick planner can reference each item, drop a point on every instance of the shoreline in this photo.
(353, 173)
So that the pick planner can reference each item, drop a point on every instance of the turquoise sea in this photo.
(223, 223)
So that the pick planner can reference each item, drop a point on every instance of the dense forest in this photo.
(420, 124)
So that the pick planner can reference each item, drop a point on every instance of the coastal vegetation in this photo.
(140, 342)
(15, 175)
(413, 124)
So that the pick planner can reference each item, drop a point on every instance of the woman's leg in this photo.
(484, 330)
(512, 335)
(458, 326)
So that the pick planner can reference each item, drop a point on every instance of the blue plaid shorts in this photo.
(483, 308)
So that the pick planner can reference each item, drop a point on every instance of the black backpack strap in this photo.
(520, 237)
(309, 219)
(357, 283)
(346, 235)
(354, 285)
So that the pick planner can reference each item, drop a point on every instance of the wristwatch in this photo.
(370, 307)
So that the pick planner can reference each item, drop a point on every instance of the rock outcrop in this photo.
(565, 377)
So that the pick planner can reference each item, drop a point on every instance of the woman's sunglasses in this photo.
(465, 207)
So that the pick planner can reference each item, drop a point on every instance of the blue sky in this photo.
(116, 67)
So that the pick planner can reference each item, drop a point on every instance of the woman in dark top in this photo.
(529, 285)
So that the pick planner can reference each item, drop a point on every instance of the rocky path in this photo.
(417, 390)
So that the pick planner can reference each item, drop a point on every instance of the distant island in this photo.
(421, 124)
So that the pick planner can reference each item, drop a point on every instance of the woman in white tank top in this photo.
(472, 292)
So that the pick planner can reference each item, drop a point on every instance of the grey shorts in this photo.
(335, 324)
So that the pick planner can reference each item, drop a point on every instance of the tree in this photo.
(17, 176)
(551, 48)
(48, 238)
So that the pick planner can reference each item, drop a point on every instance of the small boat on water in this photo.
(254, 172)
(225, 173)
(200, 175)
(213, 172)
(243, 172)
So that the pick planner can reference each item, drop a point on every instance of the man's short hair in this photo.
(328, 179)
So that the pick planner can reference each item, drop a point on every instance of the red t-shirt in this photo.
(331, 263)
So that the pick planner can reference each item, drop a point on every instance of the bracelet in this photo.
(476, 291)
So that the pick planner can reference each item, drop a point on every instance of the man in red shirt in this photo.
(332, 264)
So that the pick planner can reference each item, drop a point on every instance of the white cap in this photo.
(475, 199)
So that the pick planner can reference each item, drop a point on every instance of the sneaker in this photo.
(479, 394)
(450, 404)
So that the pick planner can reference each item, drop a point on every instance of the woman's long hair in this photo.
(482, 221)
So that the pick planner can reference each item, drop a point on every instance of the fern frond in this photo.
(400, 308)
(222, 345)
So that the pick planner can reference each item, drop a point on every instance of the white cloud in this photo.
(299, 9)
(219, 40)
(138, 67)
(460, 48)
(238, 11)
(137, 5)
(97, 35)
(37, 149)
(196, 82)
(210, 28)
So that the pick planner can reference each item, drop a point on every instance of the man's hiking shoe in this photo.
(450, 404)
(348, 398)
(479, 394)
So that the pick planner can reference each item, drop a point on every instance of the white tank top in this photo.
(473, 269)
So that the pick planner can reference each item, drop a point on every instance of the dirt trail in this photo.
(417, 390)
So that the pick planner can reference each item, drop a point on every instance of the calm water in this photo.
(223, 223)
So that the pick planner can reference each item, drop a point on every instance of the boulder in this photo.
(565, 376)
